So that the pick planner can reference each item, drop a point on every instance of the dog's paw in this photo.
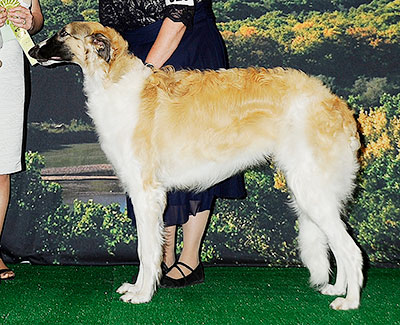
(135, 298)
(126, 287)
(345, 304)
(333, 290)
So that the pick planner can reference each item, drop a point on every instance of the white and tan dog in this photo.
(188, 130)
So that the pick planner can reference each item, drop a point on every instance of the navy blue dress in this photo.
(201, 47)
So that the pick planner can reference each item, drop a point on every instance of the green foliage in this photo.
(73, 126)
(66, 232)
(260, 228)
(239, 10)
(341, 45)
(31, 197)
(368, 92)
(391, 105)
(62, 231)
(255, 51)
(58, 13)
(375, 209)
(229, 10)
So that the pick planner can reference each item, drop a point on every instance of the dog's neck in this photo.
(107, 74)
(120, 64)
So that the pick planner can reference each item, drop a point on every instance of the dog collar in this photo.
(149, 65)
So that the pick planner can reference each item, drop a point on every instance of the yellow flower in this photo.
(280, 181)
(248, 31)
(380, 121)
(395, 127)
(226, 34)
(304, 25)
(330, 32)
(391, 223)
(377, 148)
(372, 123)
(375, 42)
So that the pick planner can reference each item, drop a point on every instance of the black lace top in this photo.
(131, 14)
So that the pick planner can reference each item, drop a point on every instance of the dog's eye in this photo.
(64, 33)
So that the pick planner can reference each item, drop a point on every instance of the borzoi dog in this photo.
(164, 130)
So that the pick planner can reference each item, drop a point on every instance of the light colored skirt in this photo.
(12, 98)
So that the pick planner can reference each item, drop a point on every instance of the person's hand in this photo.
(21, 17)
(3, 16)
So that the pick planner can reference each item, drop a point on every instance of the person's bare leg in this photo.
(4, 198)
(169, 245)
(193, 231)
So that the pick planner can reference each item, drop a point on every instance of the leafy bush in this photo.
(258, 229)
(228, 10)
(57, 233)
(369, 92)
(86, 232)
(375, 211)
(31, 197)
(252, 49)
(341, 45)
(59, 13)
(73, 125)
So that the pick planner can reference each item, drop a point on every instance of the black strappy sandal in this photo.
(164, 268)
(2, 271)
(195, 277)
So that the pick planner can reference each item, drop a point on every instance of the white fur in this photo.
(318, 197)
(319, 188)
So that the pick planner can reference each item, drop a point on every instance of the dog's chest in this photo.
(115, 119)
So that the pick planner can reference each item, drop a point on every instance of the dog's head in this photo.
(87, 44)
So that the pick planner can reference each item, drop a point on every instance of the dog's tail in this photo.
(333, 121)
(349, 123)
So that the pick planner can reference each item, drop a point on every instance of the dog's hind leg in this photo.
(313, 246)
(324, 211)
(339, 288)
(149, 207)
(349, 261)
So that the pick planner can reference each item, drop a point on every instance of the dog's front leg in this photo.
(149, 207)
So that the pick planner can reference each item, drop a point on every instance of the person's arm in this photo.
(167, 41)
(3, 16)
(29, 19)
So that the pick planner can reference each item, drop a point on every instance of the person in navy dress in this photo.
(181, 33)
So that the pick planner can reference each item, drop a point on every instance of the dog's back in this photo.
(247, 113)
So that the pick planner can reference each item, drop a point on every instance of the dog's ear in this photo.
(102, 45)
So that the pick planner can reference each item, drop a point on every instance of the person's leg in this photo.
(193, 231)
(4, 198)
(169, 245)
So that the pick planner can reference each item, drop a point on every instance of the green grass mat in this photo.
(230, 295)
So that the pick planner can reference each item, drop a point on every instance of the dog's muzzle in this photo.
(34, 53)
(50, 52)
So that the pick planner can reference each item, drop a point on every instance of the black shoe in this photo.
(2, 271)
(195, 277)
(164, 269)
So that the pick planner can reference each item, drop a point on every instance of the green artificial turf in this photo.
(230, 295)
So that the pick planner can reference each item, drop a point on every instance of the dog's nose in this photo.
(33, 51)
